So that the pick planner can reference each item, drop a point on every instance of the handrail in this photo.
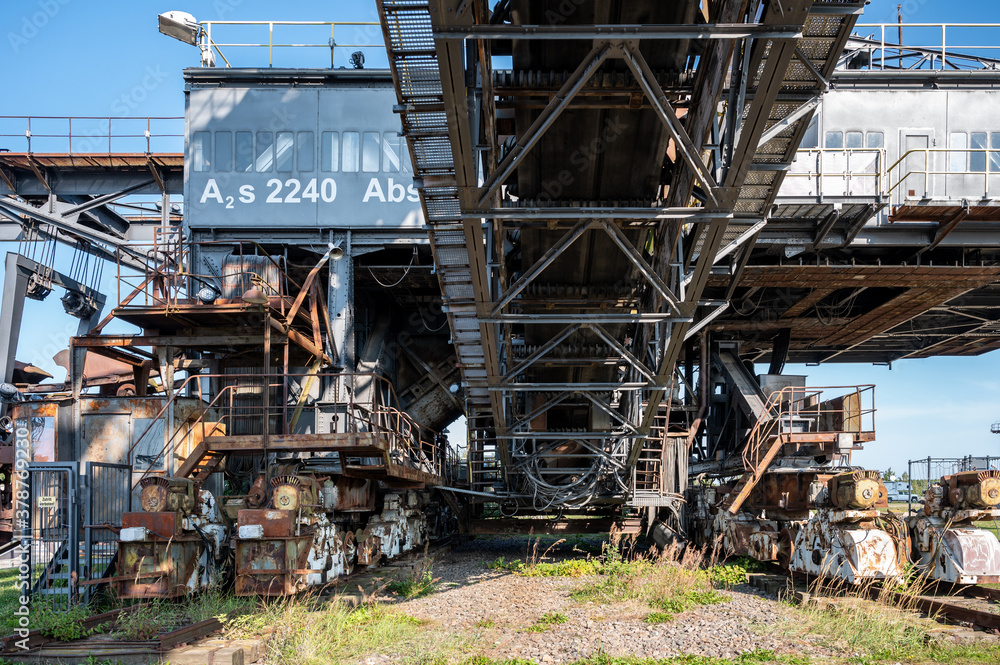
(209, 43)
(936, 55)
(92, 136)
(168, 268)
(989, 170)
(887, 180)
(376, 415)
(848, 176)
(791, 402)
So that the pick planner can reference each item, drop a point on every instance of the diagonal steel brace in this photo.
(541, 352)
(658, 99)
(553, 110)
(546, 259)
(633, 255)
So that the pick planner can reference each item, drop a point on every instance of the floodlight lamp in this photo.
(207, 295)
(336, 251)
(254, 296)
(181, 26)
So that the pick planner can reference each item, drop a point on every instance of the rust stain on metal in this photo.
(275, 523)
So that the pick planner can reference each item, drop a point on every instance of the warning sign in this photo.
(46, 502)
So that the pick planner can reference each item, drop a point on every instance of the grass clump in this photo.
(10, 595)
(733, 572)
(878, 631)
(144, 622)
(678, 604)
(62, 626)
(609, 563)
(500, 563)
(308, 631)
(547, 621)
(672, 584)
(486, 623)
(147, 619)
(568, 568)
(413, 586)
(659, 617)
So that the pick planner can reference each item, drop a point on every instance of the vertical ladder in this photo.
(484, 466)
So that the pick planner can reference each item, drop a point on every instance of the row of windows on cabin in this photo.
(262, 152)
(854, 140)
(962, 158)
(968, 152)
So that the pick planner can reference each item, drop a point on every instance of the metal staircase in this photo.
(201, 463)
(457, 247)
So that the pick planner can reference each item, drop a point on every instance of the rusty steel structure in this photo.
(946, 541)
(171, 548)
(576, 225)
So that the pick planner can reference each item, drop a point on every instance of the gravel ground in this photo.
(468, 594)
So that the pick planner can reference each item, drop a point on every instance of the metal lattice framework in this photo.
(570, 310)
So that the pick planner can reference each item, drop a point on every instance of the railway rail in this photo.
(953, 605)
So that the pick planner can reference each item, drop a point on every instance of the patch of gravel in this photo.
(469, 595)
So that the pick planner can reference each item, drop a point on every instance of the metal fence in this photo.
(85, 135)
(63, 508)
(53, 533)
(922, 473)
(324, 36)
(108, 498)
(914, 46)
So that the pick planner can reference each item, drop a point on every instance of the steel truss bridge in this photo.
(573, 257)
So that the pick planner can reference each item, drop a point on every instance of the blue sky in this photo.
(88, 58)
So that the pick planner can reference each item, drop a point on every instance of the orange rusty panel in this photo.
(354, 494)
(34, 409)
(276, 523)
(786, 491)
(140, 407)
(268, 567)
(157, 569)
(162, 524)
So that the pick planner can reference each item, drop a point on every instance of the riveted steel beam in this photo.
(619, 31)
(624, 213)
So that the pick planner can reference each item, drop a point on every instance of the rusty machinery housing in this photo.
(946, 541)
(176, 546)
(316, 529)
(821, 522)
